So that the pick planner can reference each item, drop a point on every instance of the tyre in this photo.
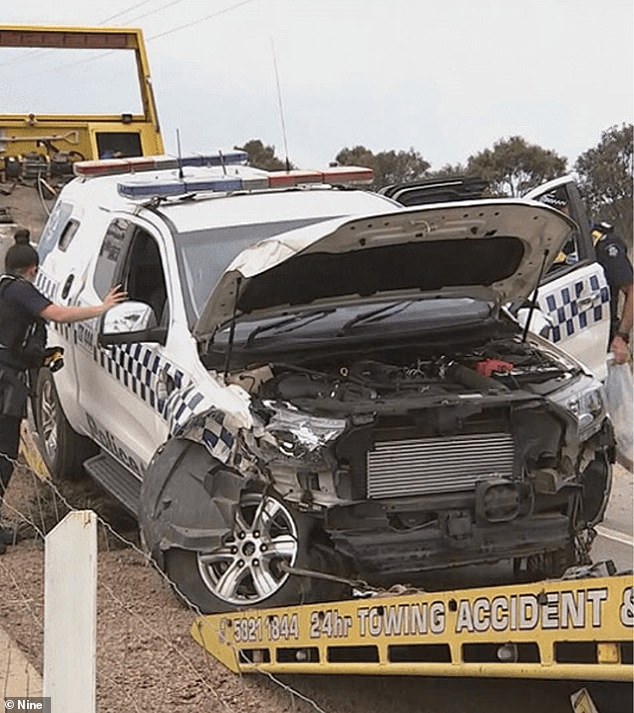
(63, 450)
(596, 482)
(250, 569)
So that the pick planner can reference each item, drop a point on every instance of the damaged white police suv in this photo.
(309, 378)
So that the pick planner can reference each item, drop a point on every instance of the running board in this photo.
(117, 480)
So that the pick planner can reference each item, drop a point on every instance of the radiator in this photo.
(437, 465)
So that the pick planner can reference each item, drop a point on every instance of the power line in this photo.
(124, 12)
(202, 19)
(158, 9)
(138, 17)
(32, 53)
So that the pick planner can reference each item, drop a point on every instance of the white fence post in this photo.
(70, 614)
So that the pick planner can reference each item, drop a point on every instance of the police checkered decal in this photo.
(65, 330)
(212, 431)
(181, 405)
(46, 285)
(146, 374)
(563, 309)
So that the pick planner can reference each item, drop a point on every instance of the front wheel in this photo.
(251, 567)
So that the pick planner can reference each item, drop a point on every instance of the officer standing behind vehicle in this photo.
(24, 311)
(612, 256)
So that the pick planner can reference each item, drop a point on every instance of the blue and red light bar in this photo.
(138, 164)
(165, 188)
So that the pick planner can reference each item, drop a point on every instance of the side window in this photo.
(568, 255)
(574, 250)
(67, 235)
(144, 276)
(109, 254)
(55, 225)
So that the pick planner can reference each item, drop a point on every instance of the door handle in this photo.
(67, 286)
(589, 300)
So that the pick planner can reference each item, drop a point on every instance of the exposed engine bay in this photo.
(339, 388)
(456, 451)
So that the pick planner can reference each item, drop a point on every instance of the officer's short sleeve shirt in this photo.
(612, 256)
(27, 298)
(21, 305)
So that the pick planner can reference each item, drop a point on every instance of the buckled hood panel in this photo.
(490, 249)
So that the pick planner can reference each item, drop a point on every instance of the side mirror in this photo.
(130, 322)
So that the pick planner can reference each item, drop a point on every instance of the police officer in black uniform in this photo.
(24, 311)
(612, 256)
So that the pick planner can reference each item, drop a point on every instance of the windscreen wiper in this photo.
(375, 315)
(294, 322)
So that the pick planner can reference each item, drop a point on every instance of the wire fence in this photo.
(146, 658)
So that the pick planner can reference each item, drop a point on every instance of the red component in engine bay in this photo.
(491, 366)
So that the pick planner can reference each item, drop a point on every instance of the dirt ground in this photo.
(147, 661)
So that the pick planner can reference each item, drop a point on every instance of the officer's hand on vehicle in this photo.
(620, 348)
(114, 297)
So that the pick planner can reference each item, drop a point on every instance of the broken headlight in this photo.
(297, 433)
(586, 402)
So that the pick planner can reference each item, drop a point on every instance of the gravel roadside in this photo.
(146, 659)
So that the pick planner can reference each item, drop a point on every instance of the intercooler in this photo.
(437, 465)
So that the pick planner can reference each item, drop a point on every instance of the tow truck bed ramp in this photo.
(560, 629)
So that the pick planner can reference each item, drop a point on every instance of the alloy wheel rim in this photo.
(246, 568)
(48, 420)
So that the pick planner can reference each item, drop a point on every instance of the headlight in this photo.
(297, 433)
(586, 402)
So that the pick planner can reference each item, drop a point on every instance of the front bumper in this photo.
(386, 552)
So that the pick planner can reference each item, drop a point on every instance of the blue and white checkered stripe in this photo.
(145, 372)
(563, 308)
(46, 285)
(181, 405)
(142, 370)
(216, 436)
(213, 430)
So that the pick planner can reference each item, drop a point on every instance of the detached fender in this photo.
(188, 499)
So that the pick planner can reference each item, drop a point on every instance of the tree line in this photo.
(511, 167)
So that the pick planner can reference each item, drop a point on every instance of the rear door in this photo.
(574, 297)
(60, 277)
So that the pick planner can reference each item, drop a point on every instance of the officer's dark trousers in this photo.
(9, 444)
(13, 396)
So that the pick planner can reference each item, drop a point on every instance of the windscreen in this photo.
(204, 255)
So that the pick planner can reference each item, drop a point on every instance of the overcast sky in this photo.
(446, 77)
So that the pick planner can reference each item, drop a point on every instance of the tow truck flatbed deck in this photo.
(577, 629)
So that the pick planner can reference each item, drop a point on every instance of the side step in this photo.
(117, 480)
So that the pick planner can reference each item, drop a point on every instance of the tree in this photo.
(261, 156)
(448, 171)
(388, 166)
(605, 175)
(514, 166)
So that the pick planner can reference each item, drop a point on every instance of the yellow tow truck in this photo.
(37, 151)
(576, 628)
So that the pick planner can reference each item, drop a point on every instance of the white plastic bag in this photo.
(618, 387)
